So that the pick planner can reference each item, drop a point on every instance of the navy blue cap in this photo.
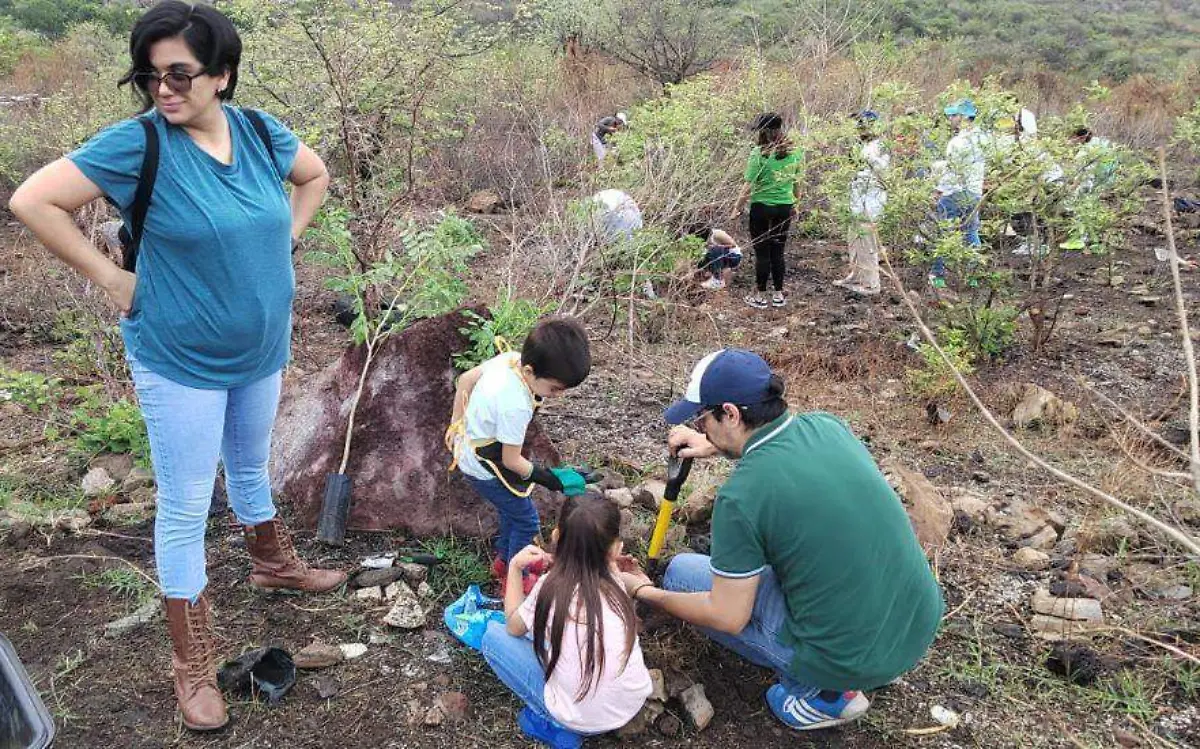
(728, 376)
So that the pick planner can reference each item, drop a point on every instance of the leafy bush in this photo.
(422, 278)
(118, 428)
(934, 380)
(988, 331)
(510, 318)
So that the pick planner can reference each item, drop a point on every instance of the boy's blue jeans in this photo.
(189, 430)
(519, 522)
(758, 642)
(960, 205)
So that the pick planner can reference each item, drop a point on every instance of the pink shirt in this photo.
(623, 685)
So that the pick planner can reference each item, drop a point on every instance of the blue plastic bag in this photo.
(468, 617)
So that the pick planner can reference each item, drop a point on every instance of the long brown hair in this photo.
(772, 140)
(578, 587)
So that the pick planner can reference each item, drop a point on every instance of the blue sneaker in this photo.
(803, 709)
(546, 731)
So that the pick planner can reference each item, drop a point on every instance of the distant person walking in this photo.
(605, 129)
(960, 186)
(772, 188)
(206, 319)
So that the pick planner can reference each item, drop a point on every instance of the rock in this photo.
(326, 686)
(414, 574)
(434, 716)
(72, 520)
(697, 507)
(973, 505)
(620, 497)
(129, 511)
(376, 578)
(609, 478)
(484, 201)
(352, 650)
(658, 684)
(425, 591)
(137, 478)
(668, 725)
(406, 489)
(378, 562)
(1019, 520)
(642, 497)
(677, 683)
(370, 595)
(116, 465)
(406, 612)
(454, 706)
(1125, 739)
(1041, 407)
(928, 510)
(697, 706)
(1174, 592)
(1052, 628)
(1149, 301)
(318, 655)
(144, 495)
(151, 610)
(1115, 338)
(1096, 565)
(944, 716)
(97, 482)
(642, 721)
(1042, 540)
(1074, 609)
(980, 477)
(1031, 559)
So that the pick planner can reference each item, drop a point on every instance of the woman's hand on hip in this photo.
(119, 288)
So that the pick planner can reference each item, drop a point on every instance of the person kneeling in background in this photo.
(721, 256)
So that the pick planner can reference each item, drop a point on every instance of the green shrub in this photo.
(117, 428)
(934, 380)
(510, 319)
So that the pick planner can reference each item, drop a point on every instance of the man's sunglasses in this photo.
(178, 82)
(697, 423)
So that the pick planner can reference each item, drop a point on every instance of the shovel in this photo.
(677, 473)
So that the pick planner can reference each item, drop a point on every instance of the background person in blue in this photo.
(207, 317)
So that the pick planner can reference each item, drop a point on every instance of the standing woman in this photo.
(206, 320)
(772, 188)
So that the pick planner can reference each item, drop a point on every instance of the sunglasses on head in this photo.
(179, 82)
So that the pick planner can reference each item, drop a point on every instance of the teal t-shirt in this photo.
(213, 301)
(773, 179)
(807, 499)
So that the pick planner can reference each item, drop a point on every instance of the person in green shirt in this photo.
(772, 188)
(815, 570)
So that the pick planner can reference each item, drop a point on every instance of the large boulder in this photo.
(398, 459)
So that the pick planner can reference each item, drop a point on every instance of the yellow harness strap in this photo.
(456, 434)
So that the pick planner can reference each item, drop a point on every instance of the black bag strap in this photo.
(260, 127)
(141, 198)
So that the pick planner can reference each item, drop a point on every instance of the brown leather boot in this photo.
(276, 564)
(194, 663)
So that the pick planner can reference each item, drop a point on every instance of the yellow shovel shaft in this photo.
(660, 529)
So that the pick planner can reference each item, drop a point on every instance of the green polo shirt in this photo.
(807, 499)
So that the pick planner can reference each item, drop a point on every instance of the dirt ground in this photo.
(839, 354)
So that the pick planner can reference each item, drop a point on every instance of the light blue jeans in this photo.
(758, 642)
(515, 663)
(189, 430)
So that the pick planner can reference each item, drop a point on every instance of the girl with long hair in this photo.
(582, 673)
(772, 188)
